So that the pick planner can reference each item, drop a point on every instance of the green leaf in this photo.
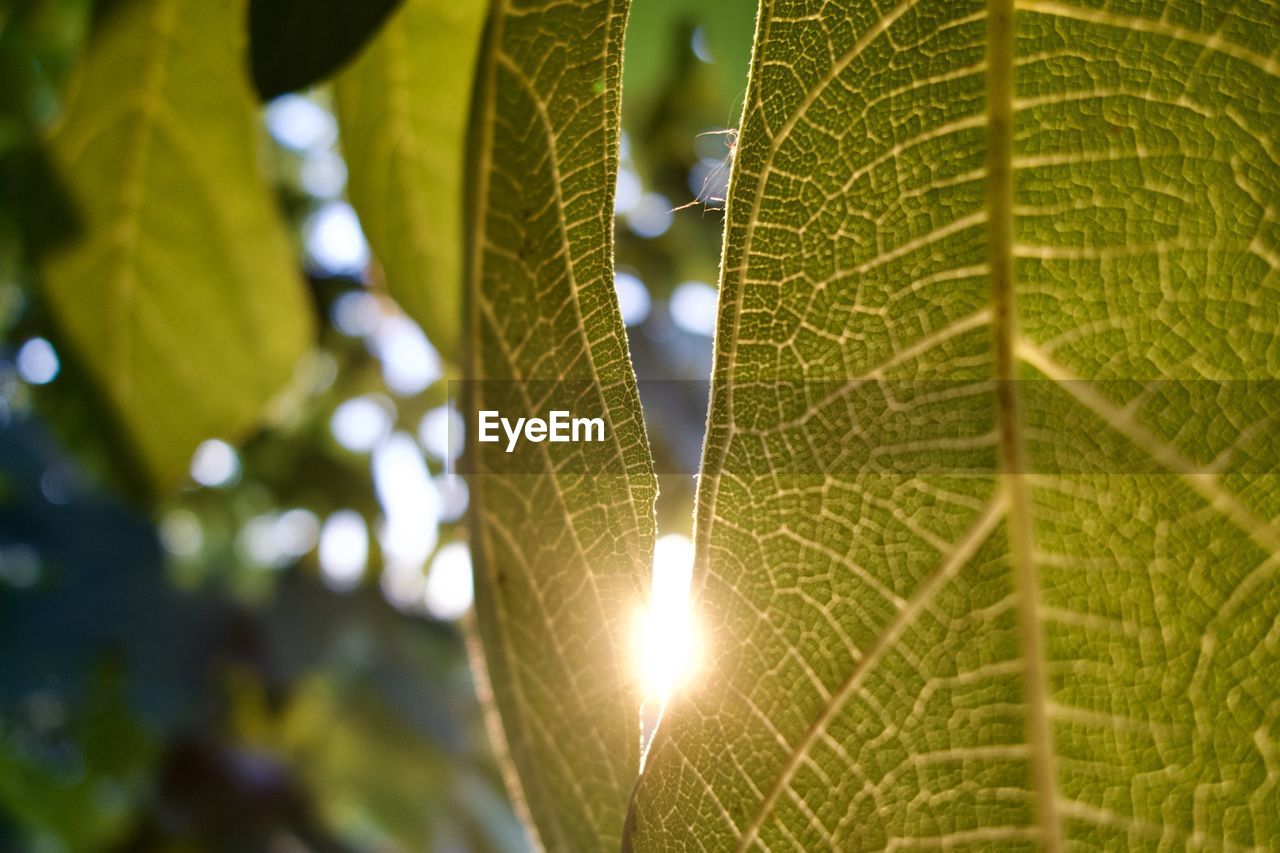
(403, 109)
(1010, 579)
(294, 44)
(181, 295)
(562, 551)
(50, 772)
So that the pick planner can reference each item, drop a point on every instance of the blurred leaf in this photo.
(562, 555)
(100, 658)
(100, 594)
(298, 43)
(1016, 657)
(416, 668)
(74, 773)
(379, 717)
(38, 39)
(403, 109)
(379, 784)
(182, 296)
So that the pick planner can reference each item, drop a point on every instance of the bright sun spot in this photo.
(666, 640)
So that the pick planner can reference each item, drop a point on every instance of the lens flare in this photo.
(665, 636)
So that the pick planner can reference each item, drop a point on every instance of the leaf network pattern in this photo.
(157, 146)
(561, 557)
(977, 193)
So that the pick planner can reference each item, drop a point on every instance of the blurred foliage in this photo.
(162, 687)
(665, 37)
(403, 111)
(294, 44)
(177, 249)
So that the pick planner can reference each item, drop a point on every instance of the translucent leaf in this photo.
(562, 546)
(403, 109)
(1007, 342)
(179, 293)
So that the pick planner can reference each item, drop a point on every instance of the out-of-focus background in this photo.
(271, 659)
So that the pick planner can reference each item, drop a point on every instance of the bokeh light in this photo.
(442, 433)
(355, 313)
(651, 216)
(409, 362)
(449, 593)
(56, 484)
(628, 191)
(698, 44)
(334, 241)
(215, 464)
(454, 496)
(296, 531)
(323, 174)
(37, 362)
(300, 124)
(274, 540)
(693, 307)
(344, 550)
(181, 533)
(410, 505)
(361, 423)
(20, 566)
(633, 298)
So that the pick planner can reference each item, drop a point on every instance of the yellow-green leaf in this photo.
(562, 548)
(180, 293)
(1010, 578)
(403, 108)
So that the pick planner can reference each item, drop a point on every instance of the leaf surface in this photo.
(999, 306)
(180, 294)
(294, 44)
(403, 108)
(562, 545)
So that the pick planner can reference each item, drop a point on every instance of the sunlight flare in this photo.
(665, 636)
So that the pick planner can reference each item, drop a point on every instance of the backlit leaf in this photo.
(180, 294)
(562, 551)
(1009, 578)
(403, 108)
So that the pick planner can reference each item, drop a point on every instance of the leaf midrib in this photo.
(1013, 499)
(1013, 353)
(1012, 449)
(132, 187)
